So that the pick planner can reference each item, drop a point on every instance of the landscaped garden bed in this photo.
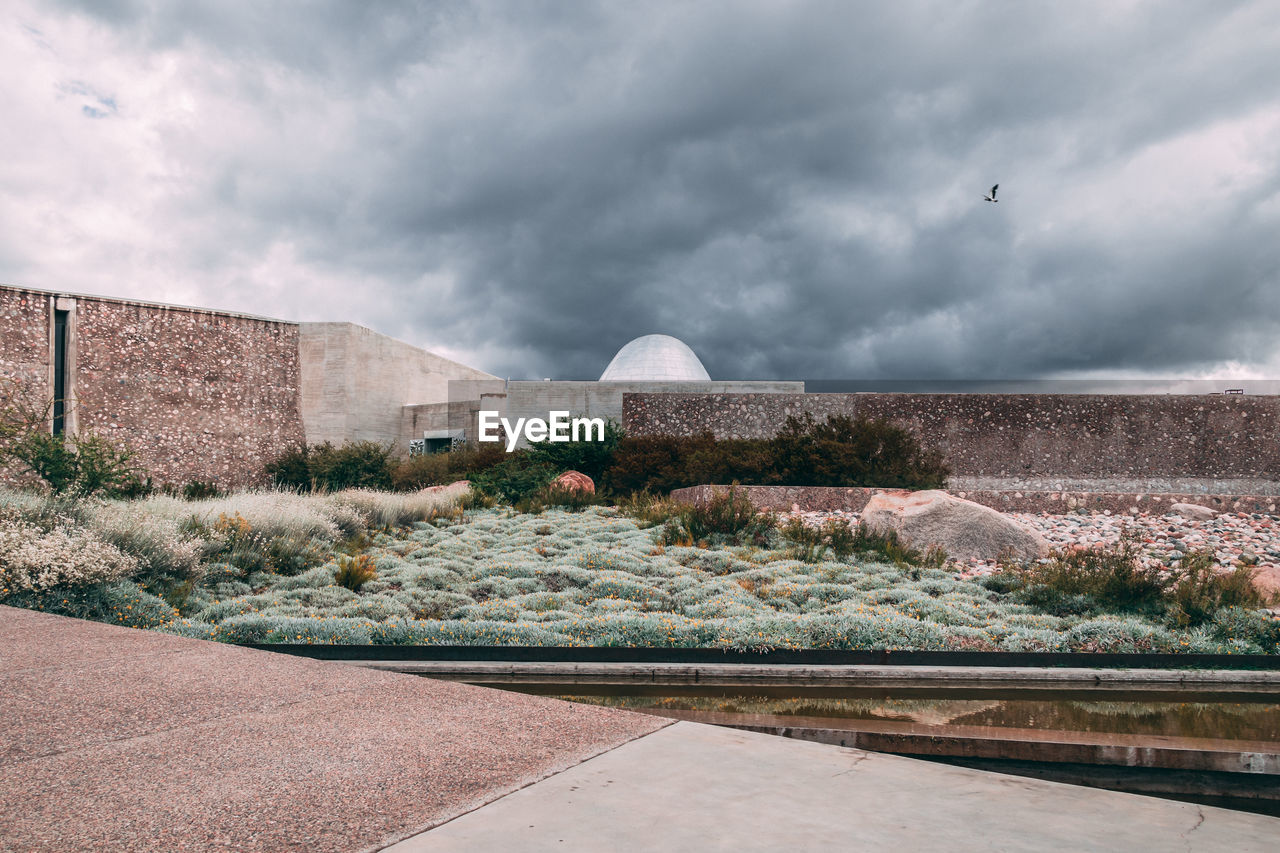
(367, 567)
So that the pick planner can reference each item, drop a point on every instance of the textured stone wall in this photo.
(197, 395)
(24, 335)
(1116, 443)
(533, 399)
(827, 498)
(24, 354)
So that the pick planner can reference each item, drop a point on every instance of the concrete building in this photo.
(652, 364)
(214, 395)
(210, 395)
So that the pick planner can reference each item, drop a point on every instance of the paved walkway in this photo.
(114, 739)
(122, 740)
(693, 787)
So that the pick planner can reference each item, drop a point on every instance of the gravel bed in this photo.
(1235, 538)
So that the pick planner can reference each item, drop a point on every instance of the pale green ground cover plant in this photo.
(597, 578)
(421, 568)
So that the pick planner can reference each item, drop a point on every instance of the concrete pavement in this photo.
(693, 787)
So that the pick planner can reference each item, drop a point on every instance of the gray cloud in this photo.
(794, 189)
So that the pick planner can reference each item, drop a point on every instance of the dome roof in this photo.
(655, 358)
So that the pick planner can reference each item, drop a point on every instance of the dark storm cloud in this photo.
(794, 189)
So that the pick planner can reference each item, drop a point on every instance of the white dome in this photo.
(655, 358)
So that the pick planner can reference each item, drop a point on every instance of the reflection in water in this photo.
(1237, 720)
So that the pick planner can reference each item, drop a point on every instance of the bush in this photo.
(323, 467)
(588, 457)
(857, 451)
(33, 559)
(842, 540)
(520, 477)
(728, 516)
(1248, 624)
(1113, 578)
(355, 572)
(842, 451)
(439, 469)
(1081, 579)
(119, 603)
(198, 490)
(385, 510)
(1198, 591)
(571, 500)
(647, 509)
(83, 464)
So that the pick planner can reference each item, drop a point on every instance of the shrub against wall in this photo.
(354, 465)
(842, 451)
(440, 469)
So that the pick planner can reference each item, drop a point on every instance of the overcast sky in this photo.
(794, 189)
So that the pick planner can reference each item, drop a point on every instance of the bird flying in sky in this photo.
(992, 195)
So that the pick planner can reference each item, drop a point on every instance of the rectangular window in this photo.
(60, 371)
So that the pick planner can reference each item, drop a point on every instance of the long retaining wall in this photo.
(828, 498)
(1129, 444)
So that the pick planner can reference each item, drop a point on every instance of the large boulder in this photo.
(1267, 580)
(962, 528)
(574, 481)
(1194, 512)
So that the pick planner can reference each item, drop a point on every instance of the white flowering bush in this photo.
(34, 559)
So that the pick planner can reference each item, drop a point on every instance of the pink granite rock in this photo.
(1267, 581)
(964, 529)
(574, 481)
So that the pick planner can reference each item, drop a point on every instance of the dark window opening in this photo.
(437, 445)
(59, 371)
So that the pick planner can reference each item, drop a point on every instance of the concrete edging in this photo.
(831, 676)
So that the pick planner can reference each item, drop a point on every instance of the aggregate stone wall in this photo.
(533, 399)
(1224, 444)
(197, 395)
(24, 335)
(828, 498)
(24, 353)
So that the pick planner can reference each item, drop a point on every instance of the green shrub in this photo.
(354, 572)
(842, 451)
(648, 509)
(439, 469)
(1249, 624)
(1198, 590)
(727, 516)
(857, 451)
(323, 467)
(571, 500)
(198, 490)
(519, 477)
(118, 603)
(1110, 578)
(83, 465)
(587, 457)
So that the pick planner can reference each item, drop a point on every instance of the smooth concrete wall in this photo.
(356, 383)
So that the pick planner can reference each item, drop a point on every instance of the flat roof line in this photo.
(149, 304)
